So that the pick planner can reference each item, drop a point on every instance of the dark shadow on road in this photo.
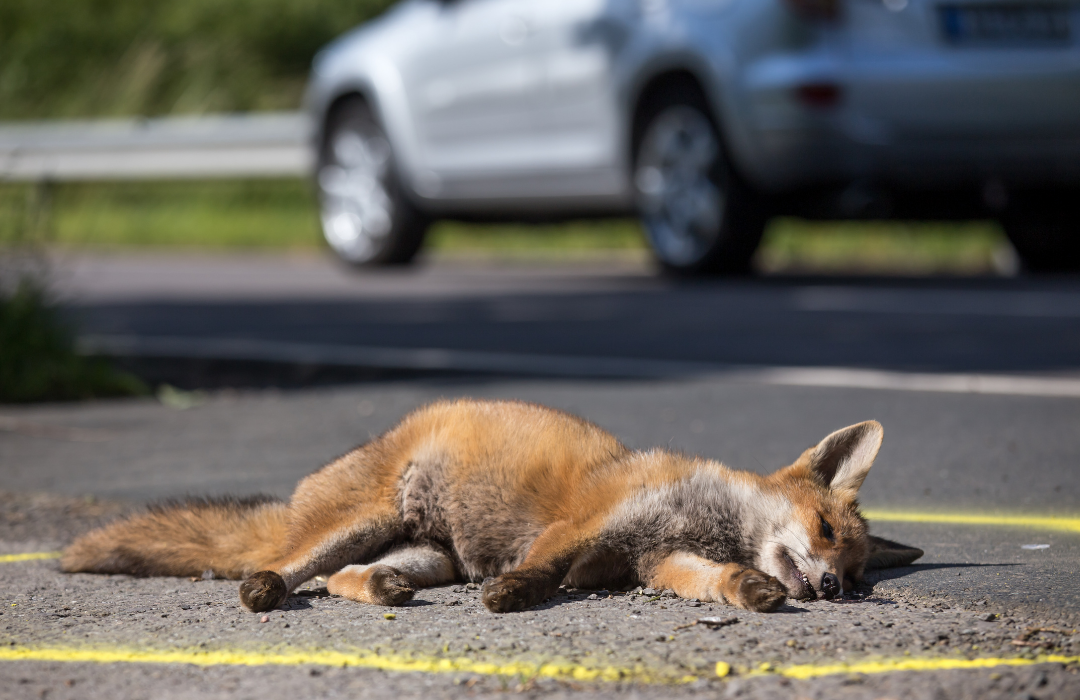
(879, 575)
(790, 609)
(983, 325)
(294, 602)
(313, 593)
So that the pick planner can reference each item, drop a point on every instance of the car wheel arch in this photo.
(337, 102)
(739, 230)
(659, 80)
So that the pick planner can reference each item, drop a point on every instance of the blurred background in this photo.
(120, 58)
(200, 128)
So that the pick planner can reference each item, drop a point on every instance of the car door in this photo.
(473, 93)
(576, 134)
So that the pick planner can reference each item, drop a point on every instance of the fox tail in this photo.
(231, 537)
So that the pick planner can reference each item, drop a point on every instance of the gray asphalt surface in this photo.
(588, 310)
(974, 593)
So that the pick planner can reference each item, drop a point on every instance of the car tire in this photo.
(699, 216)
(367, 218)
(1045, 230)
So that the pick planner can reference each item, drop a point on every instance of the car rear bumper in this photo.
(943, 122)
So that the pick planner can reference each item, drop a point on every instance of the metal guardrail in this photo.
(240, 145)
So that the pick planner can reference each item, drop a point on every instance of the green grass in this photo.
(93, 58)
(903, 248)
(281, 214)
(278, 214)
(572, 239)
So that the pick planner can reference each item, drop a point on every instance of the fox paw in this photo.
(377, 585)
(262, 591)
(388, 587)
(509, 593)
(759, 592)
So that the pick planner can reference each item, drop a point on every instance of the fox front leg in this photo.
(691, 576)
(550, 558)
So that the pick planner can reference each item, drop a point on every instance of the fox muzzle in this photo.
(830, 586)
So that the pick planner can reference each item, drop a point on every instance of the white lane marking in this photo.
(851, 378)
(954, 302)
(443, 359)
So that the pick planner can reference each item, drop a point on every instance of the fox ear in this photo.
(843, 459)
(885, 554)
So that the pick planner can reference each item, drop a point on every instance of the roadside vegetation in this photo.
(79, 59)
(281, 215)
(38, 361)
(111, 58)
(38, 358)
(886, 248)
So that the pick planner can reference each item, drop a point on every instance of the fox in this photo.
(524, 499)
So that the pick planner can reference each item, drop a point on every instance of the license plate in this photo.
(1005, 24)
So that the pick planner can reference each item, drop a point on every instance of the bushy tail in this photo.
(231, 537)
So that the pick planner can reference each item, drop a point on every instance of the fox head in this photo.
(822, 545)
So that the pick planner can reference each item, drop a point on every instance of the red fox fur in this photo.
(524, 498)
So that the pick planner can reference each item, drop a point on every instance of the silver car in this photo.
(703, 117)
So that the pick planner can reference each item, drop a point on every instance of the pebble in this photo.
(264, 618)
(718, 621)
(593, 597)
(649, 591)
(668, 593)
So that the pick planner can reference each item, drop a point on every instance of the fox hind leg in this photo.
(394, 578)
(550, 558)
(321, 550)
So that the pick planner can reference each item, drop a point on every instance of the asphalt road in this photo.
(610, 311)
(976, 591)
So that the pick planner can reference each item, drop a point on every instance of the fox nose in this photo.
(830, 586)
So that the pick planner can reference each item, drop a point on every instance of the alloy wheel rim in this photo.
(357, 211)
(680, 203)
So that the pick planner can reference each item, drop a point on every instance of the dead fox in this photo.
(524, 498)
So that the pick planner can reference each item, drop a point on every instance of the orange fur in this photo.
(528, 497)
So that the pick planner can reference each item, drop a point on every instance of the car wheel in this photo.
(700, 218)
(367, 219)
(1045, 230)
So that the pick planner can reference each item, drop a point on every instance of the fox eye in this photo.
(826, 529)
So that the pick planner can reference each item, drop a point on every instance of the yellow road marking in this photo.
(805, 671)
(363, 659)
(29, 556)
(1034, 521)
(427, 664)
